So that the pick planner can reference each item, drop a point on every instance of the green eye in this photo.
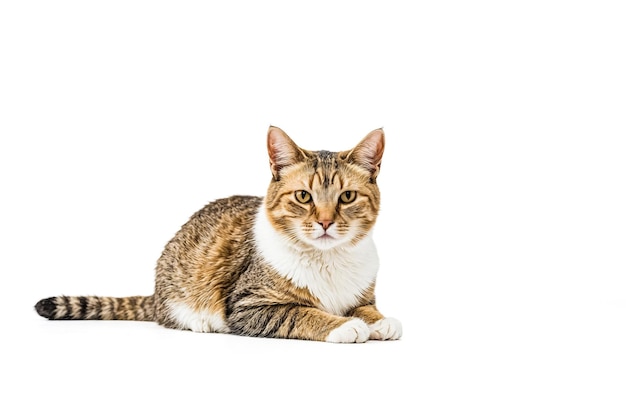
(303, 196)
(347, 197)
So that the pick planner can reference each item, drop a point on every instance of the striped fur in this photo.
(97, 308)
(298, 263)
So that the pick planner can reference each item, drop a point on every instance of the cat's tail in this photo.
(139, 308)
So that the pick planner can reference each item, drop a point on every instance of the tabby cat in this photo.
(299, 263)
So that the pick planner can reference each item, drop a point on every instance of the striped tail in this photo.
(139, 308)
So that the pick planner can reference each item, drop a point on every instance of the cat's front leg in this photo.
(292, 321)
(352, 331)
(387, 328)
(381, 327)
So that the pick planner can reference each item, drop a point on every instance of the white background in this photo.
(502, 234)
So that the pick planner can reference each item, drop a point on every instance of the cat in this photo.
(299, 263)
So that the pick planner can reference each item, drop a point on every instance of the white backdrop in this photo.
(501, 236)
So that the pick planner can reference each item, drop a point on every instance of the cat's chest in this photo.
(336, 280)
(336, 277)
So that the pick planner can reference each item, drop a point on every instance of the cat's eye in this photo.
(303, 196)
(347, 197)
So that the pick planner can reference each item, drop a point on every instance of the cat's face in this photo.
(323, 199)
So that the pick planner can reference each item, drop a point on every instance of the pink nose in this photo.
(325, 223)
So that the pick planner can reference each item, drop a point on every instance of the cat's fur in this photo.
(299, 263)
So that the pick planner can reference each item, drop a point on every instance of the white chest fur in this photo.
(337, 277)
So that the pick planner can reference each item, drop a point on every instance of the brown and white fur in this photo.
(300, 263)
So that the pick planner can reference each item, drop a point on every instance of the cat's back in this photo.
(220, 225)
(236, 211)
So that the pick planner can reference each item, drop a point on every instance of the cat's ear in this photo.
(369, 152)
(282, 151)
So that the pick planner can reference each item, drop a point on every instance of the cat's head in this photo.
(323, 199)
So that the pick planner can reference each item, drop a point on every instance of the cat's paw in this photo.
(352, 331)
(386, 329)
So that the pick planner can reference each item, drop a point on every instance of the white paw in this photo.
(352, 331)
(386, 329)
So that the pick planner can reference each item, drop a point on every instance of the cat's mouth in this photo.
(325, 234)
(325, 241)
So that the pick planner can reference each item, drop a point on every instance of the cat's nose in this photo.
(325, 224)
